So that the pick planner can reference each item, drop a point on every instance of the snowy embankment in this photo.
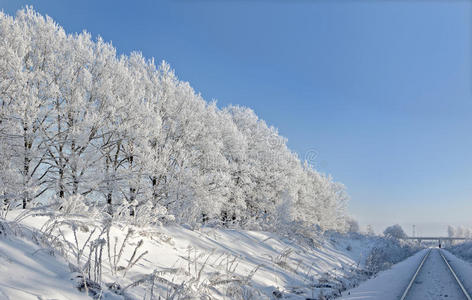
(463, 250)
(224, 263)
(28, 271)
(462, 268)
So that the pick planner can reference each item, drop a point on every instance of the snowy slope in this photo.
(462, 268)
(222, 262)
(29, 272)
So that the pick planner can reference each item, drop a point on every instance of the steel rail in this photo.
(410, 284)
(464, 291)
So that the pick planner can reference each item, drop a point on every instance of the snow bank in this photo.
(30, 272)
(146, 262)
(224, 263)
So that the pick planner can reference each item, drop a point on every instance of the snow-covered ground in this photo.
(225, 263)
(29, 272)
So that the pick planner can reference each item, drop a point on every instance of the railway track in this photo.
(410, 289)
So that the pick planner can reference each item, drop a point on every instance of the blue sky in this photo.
(381, 90)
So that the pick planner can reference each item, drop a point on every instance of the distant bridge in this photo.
(436, 238)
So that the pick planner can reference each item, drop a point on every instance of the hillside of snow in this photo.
(176, 261)
(29, 272)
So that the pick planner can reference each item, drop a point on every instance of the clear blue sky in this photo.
(380, 89)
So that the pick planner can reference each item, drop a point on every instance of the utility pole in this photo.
(413, 233)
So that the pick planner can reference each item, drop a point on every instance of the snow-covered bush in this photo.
(72, 205)
(378, 252)
(201, 280)
(89, 247)
(4, 228)
(394, 232)
(388, 252)
(463, 250)
(390, 249)
(4, 208)
(142, 214)
(352, 225)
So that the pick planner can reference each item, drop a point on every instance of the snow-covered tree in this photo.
(352, 225)
(79, 122)
(395, 232)
(370, 230)
(451, 231)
